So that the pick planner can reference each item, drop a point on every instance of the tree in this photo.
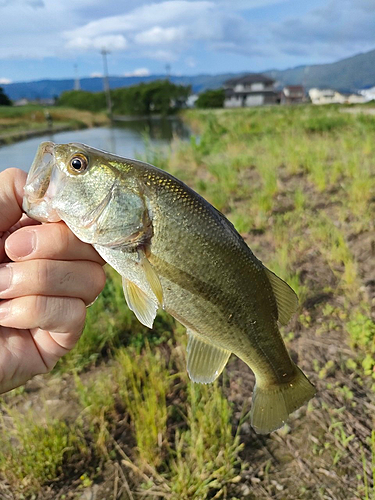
(4, 99)
(211, 99)
(80, 99)
(157, 97)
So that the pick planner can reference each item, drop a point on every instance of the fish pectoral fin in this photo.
(151, 277)
(205, 361)
(286, 298)
(140, 303)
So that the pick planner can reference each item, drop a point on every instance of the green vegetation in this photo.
(299, 184)
(158, 97)
(4, 99)
(355, 72)
(21, 122)
(211, 99)
(80, 99)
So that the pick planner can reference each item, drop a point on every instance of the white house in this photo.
(368, 94)
(249, 90)
(326, 96)
(330, 96)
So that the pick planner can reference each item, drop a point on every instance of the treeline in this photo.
(4, 99)
(157, 97)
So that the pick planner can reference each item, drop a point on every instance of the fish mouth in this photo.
(41, 185)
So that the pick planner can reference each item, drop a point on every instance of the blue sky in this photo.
(47, 38)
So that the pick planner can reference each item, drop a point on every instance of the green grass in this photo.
(299, 185)
(16, 121)
(33, 452)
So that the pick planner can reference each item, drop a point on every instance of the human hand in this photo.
(47, 278)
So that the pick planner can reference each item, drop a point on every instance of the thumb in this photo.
(12, 182)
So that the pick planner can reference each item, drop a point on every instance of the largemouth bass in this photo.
(176, 251)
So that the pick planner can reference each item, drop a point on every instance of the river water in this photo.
(127, 139)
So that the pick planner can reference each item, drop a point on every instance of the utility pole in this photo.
(106, 83)
(168, 71)
(77, 84)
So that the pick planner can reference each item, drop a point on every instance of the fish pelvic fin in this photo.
(205, 361)
(271, 406)
(152, 278)
(286, 298)
(143, 306)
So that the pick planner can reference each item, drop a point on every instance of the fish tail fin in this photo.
(272, 405)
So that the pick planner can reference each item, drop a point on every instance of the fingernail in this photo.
(4, 311)
(5, 277)
(21, 243)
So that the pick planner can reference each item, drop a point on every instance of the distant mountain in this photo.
(350, 74)
(46, 89)
(347, 75)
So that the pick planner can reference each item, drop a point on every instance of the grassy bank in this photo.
(17, 123)
(119, 418)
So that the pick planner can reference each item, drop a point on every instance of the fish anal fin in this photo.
(205, 361)
(286, 298)
(140, 303)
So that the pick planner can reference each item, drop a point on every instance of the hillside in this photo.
(347, 75)
(356, 72)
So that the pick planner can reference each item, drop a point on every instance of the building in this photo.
(292, 94)
(330, 96)
(356, 99)
(326, 96)
(368, 94)
(249, 90)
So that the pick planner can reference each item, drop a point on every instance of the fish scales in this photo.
(174, 250)
(238, 293)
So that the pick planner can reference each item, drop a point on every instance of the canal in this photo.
(129, 139)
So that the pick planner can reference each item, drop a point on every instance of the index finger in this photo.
(53, 240)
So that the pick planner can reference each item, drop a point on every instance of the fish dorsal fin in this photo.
(143, 306)
(205, 361)
(286, 298)
(151, 276)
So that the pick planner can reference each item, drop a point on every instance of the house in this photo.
(292, 94)
(252, 89)
(326, 96)
(21, 102)
(368, 94)
(330, 96)
(356, 99)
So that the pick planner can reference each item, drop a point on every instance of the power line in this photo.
(107, 92)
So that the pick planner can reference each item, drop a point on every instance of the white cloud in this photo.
(138, 72)
(5, 81)
(110, 42)
(160, 36)
(191, 62)
(190, 31)
(96, 75)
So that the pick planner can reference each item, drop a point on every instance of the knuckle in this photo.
(78, 313)
(44, 274)
(63, 237)
(41, 310)
(99, 277)
(95, 279)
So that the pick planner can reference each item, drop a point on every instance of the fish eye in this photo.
(78, 164)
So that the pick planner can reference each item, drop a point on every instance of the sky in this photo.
(63, 38)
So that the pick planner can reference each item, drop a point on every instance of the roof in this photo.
(231, 93)
(250, 78)
(295, 88)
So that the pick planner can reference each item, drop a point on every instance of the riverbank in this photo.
(119, 415)
(17, 124)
